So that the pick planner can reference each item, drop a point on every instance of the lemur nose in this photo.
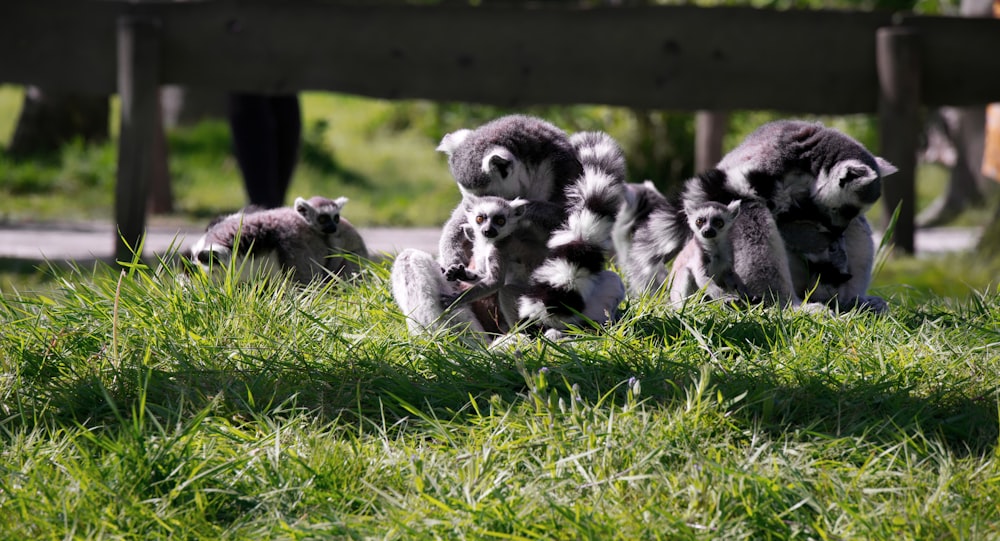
(709, 234)
(490, 233)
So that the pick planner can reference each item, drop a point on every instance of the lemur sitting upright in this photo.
(706, 261)
(506, 249)
(809, 178)
(347, 247)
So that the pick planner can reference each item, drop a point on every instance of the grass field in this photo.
(142, 405)
(138, 406)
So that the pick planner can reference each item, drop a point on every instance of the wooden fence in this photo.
(678, 58)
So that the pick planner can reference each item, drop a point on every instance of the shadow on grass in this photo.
(440, 381)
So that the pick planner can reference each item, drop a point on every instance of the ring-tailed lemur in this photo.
(705, 264)
(514, 156)
(506, 249)
(510, 157)
(277, 240)
(639, 238)
(804, 173)
(346, 246)
(573, 285)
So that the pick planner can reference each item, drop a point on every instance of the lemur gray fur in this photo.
(572, 286)
(510, 157)
(807, 175)
(300, 240)
(347, 247)
(639, 239)
(504, 254)
(705, 264)
(527, 157)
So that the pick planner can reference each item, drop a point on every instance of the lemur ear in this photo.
(452, 140)
(302, 207)
(846, 173)
(341, 201)
(884, 167)
(734, 207)
(500, 160)
(519, 206)
(469, 232)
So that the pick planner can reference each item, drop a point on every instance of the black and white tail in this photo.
(579, 249)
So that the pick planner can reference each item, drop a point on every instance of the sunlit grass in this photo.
(148, 404)
(393, 177)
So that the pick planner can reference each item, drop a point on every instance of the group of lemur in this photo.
(779, 221)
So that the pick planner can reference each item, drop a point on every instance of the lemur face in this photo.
(492, 223)
(709, 226)
(495, 218)
(712, 220)
(322, 214)
(327, 220)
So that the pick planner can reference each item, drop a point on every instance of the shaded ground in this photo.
(94, 240)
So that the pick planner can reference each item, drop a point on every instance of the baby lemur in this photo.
(506, 249)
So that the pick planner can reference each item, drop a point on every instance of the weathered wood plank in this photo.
(960, 59)
(655, 57)
(59, 46)
(899, 64)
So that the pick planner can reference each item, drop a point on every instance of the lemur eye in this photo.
(480, 219)
(336, 218)
(717, 222)
(699, 222)
(500, 220)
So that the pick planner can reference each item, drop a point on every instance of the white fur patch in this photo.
(452, 141)
(536, 184)
(598, 151)
(497, 151)
(596, 181)
(828, 191)
(530, 309)
(736, 180)
(562, 273)
(583, 225)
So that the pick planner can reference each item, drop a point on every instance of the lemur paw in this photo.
(873, 304)
(455, 273)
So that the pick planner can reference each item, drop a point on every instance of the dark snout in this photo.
(869, 193)
(328, 224)
(208, 258)
(708, 233)
(490, 233)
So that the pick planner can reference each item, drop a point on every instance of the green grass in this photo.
(393, 177)
(146, 406)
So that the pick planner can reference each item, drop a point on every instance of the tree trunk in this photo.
(49, 120)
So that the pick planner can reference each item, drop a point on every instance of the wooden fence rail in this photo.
(679, 58)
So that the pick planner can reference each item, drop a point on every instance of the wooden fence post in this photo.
(138, 91)
(709, 129)
(899, 75)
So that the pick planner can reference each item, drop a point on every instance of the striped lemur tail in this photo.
(579, 249)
